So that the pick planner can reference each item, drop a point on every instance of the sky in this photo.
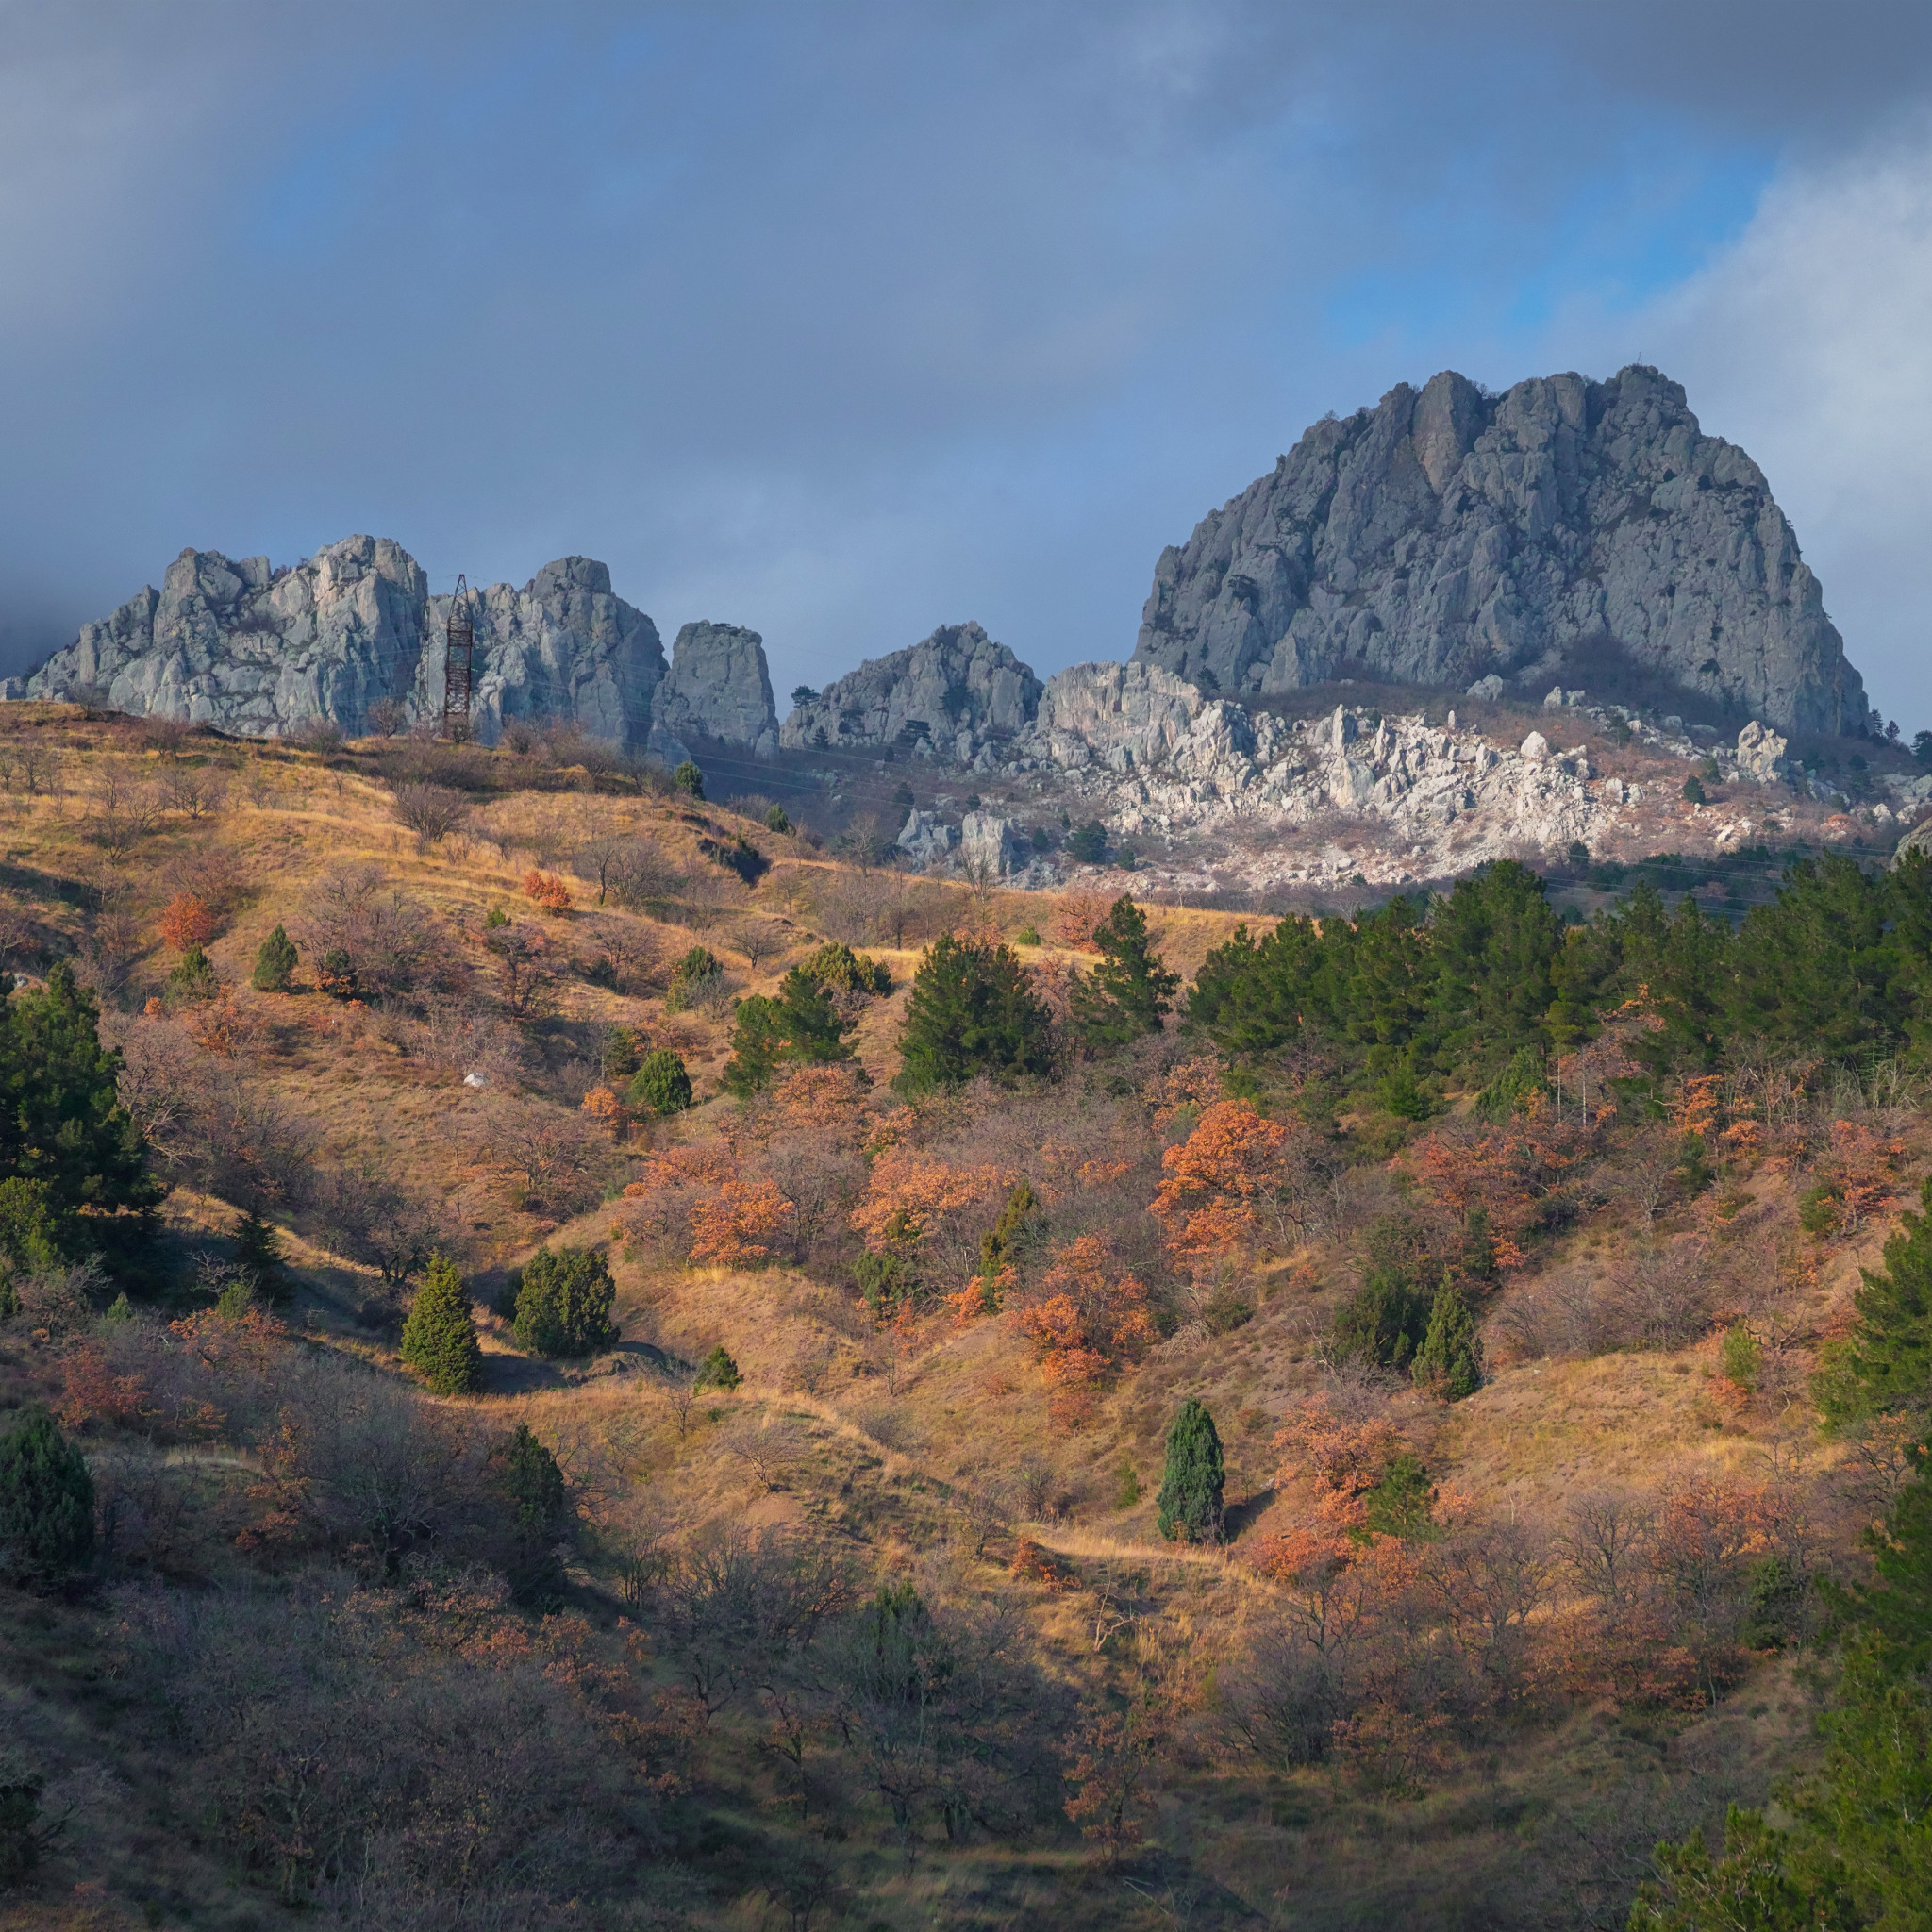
(844, 320)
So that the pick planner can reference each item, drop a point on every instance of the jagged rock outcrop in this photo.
(720, 685)
(249, 649)
(926, 838)
(563, 646)
(1158, 758)
(231, 643)
(1760, 753)
(992, 847)
(1447, 536)
(1121, 715)
(953, 696)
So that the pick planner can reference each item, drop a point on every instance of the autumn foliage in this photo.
(739, 1225)
(1218, 1183)
(547, 890)
(1090, 1318)
(187, 922)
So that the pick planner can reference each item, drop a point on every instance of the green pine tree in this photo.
(1128, 994)
(61, 1122)
(46, 1499)
(1189, 1507)
(259, 1252)
(800, 1025)
(718, 1370)
(439, 1337)
(660, 1083)
(29, 1234)
(564, 1302)
(275, 963)
(999, 1247)
(1886, 1365)
(971, 1012)
(624, 1053)
(690, 780)
(195, 978)
(538, 1508)
(1450, 1361)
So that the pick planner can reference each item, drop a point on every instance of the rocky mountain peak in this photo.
(235, 644)
(1447, 535)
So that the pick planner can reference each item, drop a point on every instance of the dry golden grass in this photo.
(883, 1439)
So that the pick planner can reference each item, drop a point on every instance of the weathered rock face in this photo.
(1760, 753)
(991, 846)
(563, 646)
(953, 696)
(249, 649)
(1446, 536)
(926, 838)
(234, 644)
(720, 687)
(1121, 715)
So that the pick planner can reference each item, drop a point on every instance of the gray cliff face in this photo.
(563, 646)
(246, 649)
(1445, 536)
(720, 687)
(236, 646)
(953, 696)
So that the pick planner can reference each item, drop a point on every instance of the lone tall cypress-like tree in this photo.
(1189, 1507)
(1450, 1361)
(439, 1337)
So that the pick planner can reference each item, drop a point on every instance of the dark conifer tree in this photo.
(1189, 1509)
(533, 1488)
(46, 1499)
(1450, 1361)
(275, 963)
(439, 1337)
(62, 1121)
(971, 1012)
(800, 1025)
(660, 1083)
(563, 1304)
(1130, 991)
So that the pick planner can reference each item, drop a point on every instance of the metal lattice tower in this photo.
(459, 666)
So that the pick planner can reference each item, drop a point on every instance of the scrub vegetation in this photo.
(553, 1373)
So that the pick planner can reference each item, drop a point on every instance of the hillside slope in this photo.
(878, 1628)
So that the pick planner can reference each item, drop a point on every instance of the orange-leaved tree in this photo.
(1218, 1182)
(548, 891)
(1076, 918)
(1090, 1318)
(738, 1225)
(187, 922)
(908, 1193)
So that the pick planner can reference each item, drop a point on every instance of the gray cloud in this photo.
(840, 321)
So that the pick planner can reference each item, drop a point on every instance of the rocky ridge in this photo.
(954, 696)
(1447, 535)
(247, 648)
(1393, 798)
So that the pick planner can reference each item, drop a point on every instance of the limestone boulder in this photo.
(926, 838)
